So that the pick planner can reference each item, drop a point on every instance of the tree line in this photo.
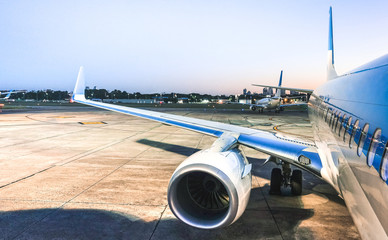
(102, 94)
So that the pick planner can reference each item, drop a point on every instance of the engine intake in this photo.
(208, 191)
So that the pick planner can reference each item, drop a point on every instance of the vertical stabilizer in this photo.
(8, 95)
(278, 91)
(331, 73)
(79, 89)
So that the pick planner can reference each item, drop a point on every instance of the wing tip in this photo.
(79, 89)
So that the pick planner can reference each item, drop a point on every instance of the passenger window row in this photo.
(344, 126)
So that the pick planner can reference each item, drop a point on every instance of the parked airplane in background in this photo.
(272, 103)
(348, 113)
(8, 94)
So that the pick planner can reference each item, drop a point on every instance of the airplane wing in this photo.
(296, 152)
(293, 97)
(13, 91)
(294, 104)
(286, 88)
(248, 104)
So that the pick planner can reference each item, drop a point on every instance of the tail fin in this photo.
(279, 91)
(8, 95)
(331, 73)
(79, 89)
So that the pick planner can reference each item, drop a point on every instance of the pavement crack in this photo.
(21, 179)
(270, 210)
(157, 224)
(17, 236)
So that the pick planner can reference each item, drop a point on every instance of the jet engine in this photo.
(210, 189)
(253, 108)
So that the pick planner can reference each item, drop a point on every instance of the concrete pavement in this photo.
(64, 180)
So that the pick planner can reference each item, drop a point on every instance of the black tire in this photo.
(276, 181)
(296, 182)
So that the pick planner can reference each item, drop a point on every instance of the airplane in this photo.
(271, 103)
(211, 188)
(8, 94)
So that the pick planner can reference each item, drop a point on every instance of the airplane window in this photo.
(362, 139)
(384, 165)
(327, 114)
(332, 120)
(354, 130)
(341, 124)
(347, 127)
(336, 122)
(373, 146)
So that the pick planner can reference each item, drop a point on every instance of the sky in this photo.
(216, 47)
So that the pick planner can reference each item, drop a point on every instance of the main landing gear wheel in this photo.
(296, 182)
(276, 181)
(287, 178)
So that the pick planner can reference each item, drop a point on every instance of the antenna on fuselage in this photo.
(331, 73)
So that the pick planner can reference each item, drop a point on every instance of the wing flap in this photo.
(294, 104)
(248, 104)
(286, 88)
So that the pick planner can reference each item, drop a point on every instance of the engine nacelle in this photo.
(210, 189)
(253, 108)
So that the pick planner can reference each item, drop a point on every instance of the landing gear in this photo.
(277, 110)
(259, 109)
(296, 182)
(286, 179)
(276, 181)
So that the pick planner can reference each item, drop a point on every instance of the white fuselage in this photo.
(269, 103)
(354, 168)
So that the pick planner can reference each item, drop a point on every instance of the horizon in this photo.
(179, 46)
(143, 93)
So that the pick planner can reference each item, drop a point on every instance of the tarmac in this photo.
(107, 178)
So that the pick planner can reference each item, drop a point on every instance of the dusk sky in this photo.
(184, 46)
